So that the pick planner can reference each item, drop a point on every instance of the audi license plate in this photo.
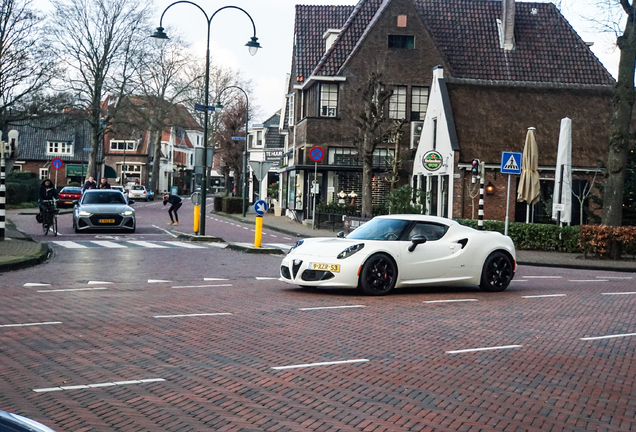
(106, 221)
(334, 268)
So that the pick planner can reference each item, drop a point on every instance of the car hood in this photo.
(105, 208)
(325, 247)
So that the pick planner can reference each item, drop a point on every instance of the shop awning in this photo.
(109, 172)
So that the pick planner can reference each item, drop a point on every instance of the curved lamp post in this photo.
(253, 46)
(218, 106)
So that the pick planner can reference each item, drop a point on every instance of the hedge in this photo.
(598, 240)
(22, 187)
(232, 205)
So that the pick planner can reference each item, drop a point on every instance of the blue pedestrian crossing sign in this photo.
(260, 207)
(510, 162)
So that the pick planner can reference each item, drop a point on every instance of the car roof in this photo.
(102, 191)
(420, 218)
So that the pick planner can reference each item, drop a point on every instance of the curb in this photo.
(579, 267)
(197, 238)
(43, 255)
(265, 225)
(255, 250)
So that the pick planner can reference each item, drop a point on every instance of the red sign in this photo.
(57, 163)
(316, 154)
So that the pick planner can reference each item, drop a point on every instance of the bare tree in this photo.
(95, 40)
(26, 64)
(231, 123)
(583, 192)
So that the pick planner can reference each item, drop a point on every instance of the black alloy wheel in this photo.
(378, 275)
(496, 273)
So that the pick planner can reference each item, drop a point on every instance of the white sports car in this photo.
(403, 250)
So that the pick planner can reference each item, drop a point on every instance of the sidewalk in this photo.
(534, 258)
(18, 250)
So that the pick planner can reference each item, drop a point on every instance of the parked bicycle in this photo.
(49, 216)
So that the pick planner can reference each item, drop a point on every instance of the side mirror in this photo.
(75, 202)
(415, 240)
(340, 234)
(130, 202)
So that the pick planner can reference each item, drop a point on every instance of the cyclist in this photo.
(47, 192)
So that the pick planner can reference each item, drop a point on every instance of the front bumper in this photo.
(295, 270)
(93, 222)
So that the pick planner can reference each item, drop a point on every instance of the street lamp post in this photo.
(253, 46)
(218, 107)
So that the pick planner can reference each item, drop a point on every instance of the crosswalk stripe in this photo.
(108, 244)
(147, 244)
(70, 244)
(184, 245)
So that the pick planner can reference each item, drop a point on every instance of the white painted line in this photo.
(202, 286)
(70, 245)
(246, 228)
(588, 280)
(620, 293)
(214, 279)
(108, 244)
(608, 336)
(158, 281)
(545, 295)
(89, 386)
(287, 238)
(320, 364)
(147, 244)
(266, 278)
(614, 277)
(72, 289)
(450, 301)
(218, 245)
(97, 283)
(543, 277)
(273, 235)
(184, 245)
(484, 349)
(192, 315)
(166, 231)
(29, 284)
(331, 307)
(31, 324)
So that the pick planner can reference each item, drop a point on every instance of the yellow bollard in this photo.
(258, 232)
(197, 218)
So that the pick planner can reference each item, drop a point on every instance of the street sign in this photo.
(260, 207)
(199, 107)
(316, 154)
(88, 149)
(238, 138)
(196, 198)
(57, 163)
(510, 162)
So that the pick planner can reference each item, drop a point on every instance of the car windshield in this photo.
(104, 198)
(137, 188)
(380, 229)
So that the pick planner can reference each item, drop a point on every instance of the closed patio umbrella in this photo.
(563, 175)
(529, 189)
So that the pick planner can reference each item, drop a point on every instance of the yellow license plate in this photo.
(334, 268)
(107, 221)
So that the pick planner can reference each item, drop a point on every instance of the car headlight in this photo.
(128, 213)
(295, 245)
(350, 251)
(84, 213)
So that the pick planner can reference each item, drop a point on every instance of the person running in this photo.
(175, 204)
(103, 184)
(90, 184)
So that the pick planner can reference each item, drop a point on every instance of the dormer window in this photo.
(123, 145)
(59, 148)
(402, 41)
(328, 100)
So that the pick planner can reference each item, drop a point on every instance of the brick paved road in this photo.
(215, 371)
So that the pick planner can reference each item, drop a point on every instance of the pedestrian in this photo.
(104, 184)
(175, 204)
(90, 184)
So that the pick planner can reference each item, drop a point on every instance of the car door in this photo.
(429, 260)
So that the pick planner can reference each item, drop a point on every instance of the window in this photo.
(434, 134)
(419, 102)
(44, 173)
(383, 158)
(401, 41)
(123, 145)
(397, 103)
(291, 110)
(59, 148)
(431, 231)
(132, 168)
(259, 138)
(250, 140)
(343, 156)
(328, 100)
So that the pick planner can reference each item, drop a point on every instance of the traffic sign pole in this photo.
(507, 207)
(510, 164)
(315, 154)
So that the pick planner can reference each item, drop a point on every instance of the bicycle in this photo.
(49, 216)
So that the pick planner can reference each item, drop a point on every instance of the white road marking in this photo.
(31, 324)
(97, 283)
(608, 336)
(331, 307)
(158, 281)
(72, 289)
(484, 349)
(614, 277)
(246, 228)
(214, 279)
(545, 295)
(147, 244)
(70, 245)
(450, 301)
(108, 244)
(287, 238)
(619, 293)
(218, 245)
(273, 235)
(202, 286)
(88, 386)
(166, 231)
(266, 278)
(192, 315)
(543, 277)
(184, 245)
(320, 364)
(29, 284)
(588, 280)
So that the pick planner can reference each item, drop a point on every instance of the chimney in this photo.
(508, 25)
(330, 37)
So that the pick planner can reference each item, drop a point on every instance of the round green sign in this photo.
(432, 160)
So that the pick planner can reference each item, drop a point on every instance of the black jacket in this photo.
(47, 194)
(104, 186)
(89, 185)
(172, 199)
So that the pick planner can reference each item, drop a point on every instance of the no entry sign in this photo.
(316, 154)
